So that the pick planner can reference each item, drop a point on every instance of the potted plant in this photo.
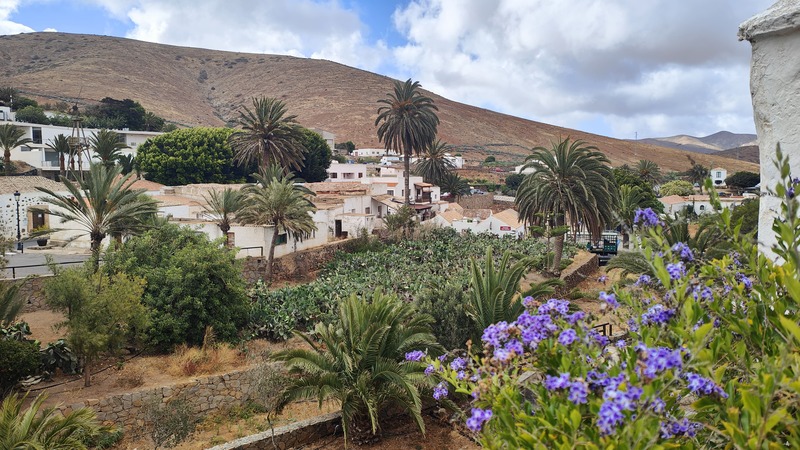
(42, 234)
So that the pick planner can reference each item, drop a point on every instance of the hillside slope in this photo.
(191, 86)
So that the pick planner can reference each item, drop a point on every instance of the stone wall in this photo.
(31, 289)
(203, 396)
(296, 266)
(295, 435)
(477, 201)
(583, 266)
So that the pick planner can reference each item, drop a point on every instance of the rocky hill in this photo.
(191, 86)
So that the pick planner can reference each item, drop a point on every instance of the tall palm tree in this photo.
(407, 122)
(268, 136)
(11, 136)
(277, 201)
(222, 206)
(649, 171)
(38, 427)
(60, 144)
(107, 147)
(10, 304)
(631, 198)
(697, 173)
(434, 166)
(571, 184)
(454, 185)
(359, 360)
(103, 203)
(127, 163)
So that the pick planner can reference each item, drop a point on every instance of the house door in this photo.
(337, 228)
(38, 220)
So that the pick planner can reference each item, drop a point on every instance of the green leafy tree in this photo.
(456, 186)
(192, 283)
(32, 114)
(103, 203)
(407, 123)
(625, 176)
(151, 122)
(697, 173)
(104, 312)
(433, 166)
(402, 222)
(40, 427)
(7, 93)
(107, 147)
(676, 187)
(571, 184)
(747, 213)
(191, 155)
(317, 157)
(514, 180)
(268, 136)
(359, 361)
(20, 102)
(10, 304)
(348, 146)
(223, 206)
(445, 303)
(60, 145)
(649, 172)
(11, 136)
(127, 164)
(118, 114)
(631, 199)
(490, 159)
(743, 180)
(276, 201)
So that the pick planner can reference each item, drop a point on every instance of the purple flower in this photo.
(707, 294)
(567, 337)
(615, 403)
(429, 370)
(633, 326)
(701, 385)
(478, 418)
(555, 305)
(578, 392)
(657, 315)
(552, 383)
(621, 344)
(790, 193)
(610, 299)
(458, 364)
(643, 280)
(527, 302)
(440, 391)
(602, 279)
(597, 380)
(460, 375)
(675, 428)
(676, 271)
(742, 278)
(646, 218)
(441, 358)
(515, 346)
(416, 355)
(495, 334)
(535, 328)
(657, 405)
(575, 317)
(594, 337)
(501, 354)
(683, 251)
(658, 359)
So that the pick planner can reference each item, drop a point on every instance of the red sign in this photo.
(505, 228)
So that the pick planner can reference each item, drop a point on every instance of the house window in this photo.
(24, 148)
(390, 191)
(702, 207)
(282, 239)
(360, 175)
(719, 174)
(334, 175)
(36, 135)
(367, 210)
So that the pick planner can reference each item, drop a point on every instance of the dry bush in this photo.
(190, 361)
(130, 377)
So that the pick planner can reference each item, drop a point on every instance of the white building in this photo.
(373, 153)
(346, 172)
(457, 161)
(506, 223)
(718, 175)
(29, 197)
(329, 137)
(522, 170)
(700, 204)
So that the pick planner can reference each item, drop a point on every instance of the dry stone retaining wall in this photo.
(295, 266)
(32, 290)
(286, 437)
(583, 266)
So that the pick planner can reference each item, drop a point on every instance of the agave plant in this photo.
(360, 361)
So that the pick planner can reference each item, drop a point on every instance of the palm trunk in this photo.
(407, 167)
(7, 161)
(87, 375)
(61, 167)
(271, 256)
(558, 245)
(97, 240)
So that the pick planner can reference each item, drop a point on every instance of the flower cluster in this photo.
(478, 418)
(675, 428)
(602, 279)
(440, 391)
(657, 315)
(609, 299)
(657, 360)
(643, 280)
(701, 385)
(676, 271)
(646, 218)
(742, 278)
(416, 355)
(615, 403)
(567, 337)
(683, 251)
(578, 389)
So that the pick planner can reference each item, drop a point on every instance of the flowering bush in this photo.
(710, 358)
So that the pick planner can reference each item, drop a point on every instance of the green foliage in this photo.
(648, 171)
(119, 114)
(676, 187)
(625, 176)
(349, 146)
(514, 180)
(171, 423)
(18, 359)
(433, 166)
(58, 355)
(402, 222)
(454, 185)
(10, 303)
(339, 158)
(20, 102)
(359, 361)
(743, 180)
(317, 157)
(32, 114)
(104, 312)
(7, 93)
(276, 313)
(192, 283)
(61, 120)
(747, 213)
(490, 159)
(191, 155)
(11, 136)
(107, 146)
(39, 427)
(697, 173)
(222, 206)
(445, 303)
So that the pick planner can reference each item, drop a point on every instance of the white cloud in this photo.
(50, 30)
(7, 7)
(656, 67)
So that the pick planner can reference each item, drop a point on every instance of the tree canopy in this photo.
(119, 114)
(317, 157)
(625, 176)
(743, 180)
(32, 114)
(676, 187)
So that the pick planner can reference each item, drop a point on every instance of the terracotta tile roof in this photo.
(143, 184)
(28, 184)
(451, 216)
(337, 187)
(455, 207)
(672, 199)
(509, 217)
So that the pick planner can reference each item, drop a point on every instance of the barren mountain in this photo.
(191, 87)
(711, 144)
(749, 153)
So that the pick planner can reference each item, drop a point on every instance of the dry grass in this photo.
(130, 376)
(190, 361)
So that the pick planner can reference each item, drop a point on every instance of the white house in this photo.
(29, 197)
(346, 172)
(373, 153)
(522, 170)
(700, 204)
(457, 161)
(506, 223)
(718, 175)
(329, 137)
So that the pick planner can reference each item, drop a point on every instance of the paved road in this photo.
(38, 257)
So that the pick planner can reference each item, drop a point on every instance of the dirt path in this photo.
(43, 325)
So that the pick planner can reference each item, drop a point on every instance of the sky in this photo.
(620, 68)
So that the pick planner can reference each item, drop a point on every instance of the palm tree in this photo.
(571, 184)
(107, 147)
(103, 203)
(631, 198)
(359, 360)
(434, 165)
(454, 185)
(494, 291)
(649, 172)
(697, 173)
(269, 136)
(408, 122)
(60, 144)
(11, 137)
(277, 201)
(43, 428)
(127, 163)
(222, 206)
(10, 304)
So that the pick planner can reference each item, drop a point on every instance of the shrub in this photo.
(445, 303)
(274, 314)
(18, 359)
(676, 187)
(192, 283)
(490, 159)
(171, 423)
